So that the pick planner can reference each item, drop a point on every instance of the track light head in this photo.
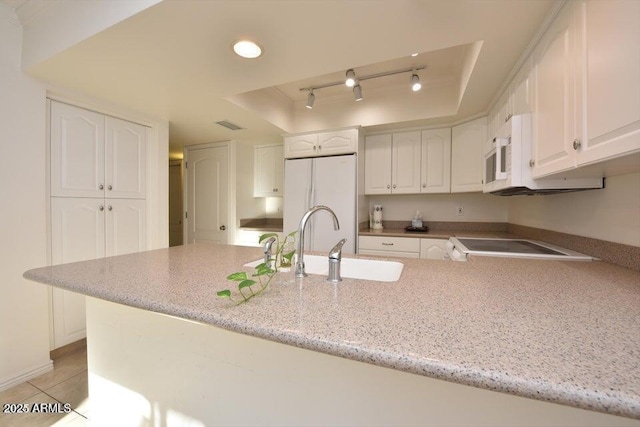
(311, 98)
(350, 80)
(415, 83)
(357, 92)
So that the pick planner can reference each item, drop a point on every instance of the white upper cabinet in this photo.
(77, 152)
(377, 164)
(268, 176)
(586, 89)
(301, 146)
(554, 124)
(93, 155)
(610, 80)
(343, 141)
(125, 159)
(467, 141)
(435, 174)
(338, 142)
(405, 163)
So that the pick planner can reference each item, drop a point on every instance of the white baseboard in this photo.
(26, 376)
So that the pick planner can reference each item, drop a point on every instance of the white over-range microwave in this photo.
(507, 164)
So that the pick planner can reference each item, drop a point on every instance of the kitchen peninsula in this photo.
(527, 335)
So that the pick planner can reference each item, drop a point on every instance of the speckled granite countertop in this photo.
(559, 331)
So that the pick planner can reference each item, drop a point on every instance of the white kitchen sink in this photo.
(352, 268)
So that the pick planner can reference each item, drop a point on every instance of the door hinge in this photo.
(186, 165)
(186, 214)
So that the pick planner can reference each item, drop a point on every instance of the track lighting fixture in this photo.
(415, 83)
(350, 78)
(311, 98)
(357, 92)
(352, 81)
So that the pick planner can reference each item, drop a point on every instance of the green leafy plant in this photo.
(254, 285)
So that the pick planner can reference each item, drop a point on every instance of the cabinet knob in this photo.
(576, 144)
(101, 208)
(109, 188)
(388, 186)
(275, 190)
(110, 208)
(424, 185)
(101, 187)
(394, 186)
(532, 163)
(319, 147)
(222, 228)
(315, 148)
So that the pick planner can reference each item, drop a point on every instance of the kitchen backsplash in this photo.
(476, 207)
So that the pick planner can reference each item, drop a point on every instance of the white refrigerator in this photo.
(329, 181)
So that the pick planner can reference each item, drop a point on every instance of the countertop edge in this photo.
(620, 404)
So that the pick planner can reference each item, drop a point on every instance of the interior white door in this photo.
(297, 196)
(125, 144)
(207, 194)
(334, 182)
(125, 226)
(175, 203)
(77, 152)
(77, 234)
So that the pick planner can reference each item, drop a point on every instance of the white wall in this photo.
(478, 207)
(24, 314)
(611, 214)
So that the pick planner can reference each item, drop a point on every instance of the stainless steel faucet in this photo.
(335, 257)
(268, 255)
(303, 224)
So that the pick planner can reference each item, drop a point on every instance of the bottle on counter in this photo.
(416, 222)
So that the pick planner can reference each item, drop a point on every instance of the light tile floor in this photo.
(67, 383)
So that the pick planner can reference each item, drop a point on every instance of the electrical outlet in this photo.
(460, 210)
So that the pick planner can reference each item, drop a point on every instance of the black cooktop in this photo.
(507, 246)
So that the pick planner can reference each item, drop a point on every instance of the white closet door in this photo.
(125, 226)
(126, 159)
(77, 152)
(77, 234)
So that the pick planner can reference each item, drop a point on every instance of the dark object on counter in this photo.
(423, 229)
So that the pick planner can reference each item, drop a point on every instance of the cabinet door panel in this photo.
(467, 158)
(125, 226)
(339, 142)
(126, 159)
(377, 168)
(77, 151)
(300, 146)
(77, 234)
(433, 248)
(436, 161)
(554, 108)
(611, 79)
(405, 160)
(268, 171)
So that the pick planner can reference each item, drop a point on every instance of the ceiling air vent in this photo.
(229, 125)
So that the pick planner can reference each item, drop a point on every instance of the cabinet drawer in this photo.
(397, 254)
(396, 244)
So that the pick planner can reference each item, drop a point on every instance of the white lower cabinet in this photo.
(402, 247)
(433, 248)
(84, 229)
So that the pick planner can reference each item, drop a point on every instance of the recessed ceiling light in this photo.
(247, 49)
